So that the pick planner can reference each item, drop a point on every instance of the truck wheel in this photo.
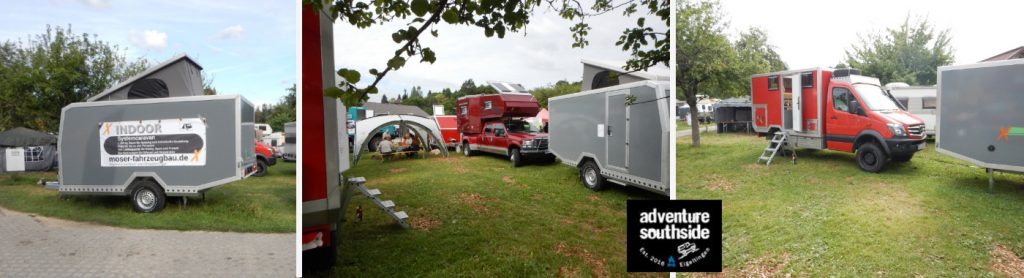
(147, 196)
(902, 158)
(261, 168)
(465, 150)
(590, 174)
(516, 158)
(871, 158)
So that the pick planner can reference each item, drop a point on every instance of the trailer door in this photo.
(617, 144)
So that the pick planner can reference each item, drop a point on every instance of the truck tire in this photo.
(902, 158)
(515, 157)
(870, 157)
(261, 168)
(591, 177)
(465, 149)
(147, 196)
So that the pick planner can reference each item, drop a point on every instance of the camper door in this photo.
(616, 130)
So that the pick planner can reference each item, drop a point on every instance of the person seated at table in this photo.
(414, 143)
(386, 147)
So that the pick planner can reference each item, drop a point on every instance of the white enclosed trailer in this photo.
(619, 134)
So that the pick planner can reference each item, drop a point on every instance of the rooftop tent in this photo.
(177, 77)
(40, 148)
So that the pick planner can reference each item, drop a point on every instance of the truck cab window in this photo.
(499, 130)
(487, 129)
(517, 126)
(839, 99)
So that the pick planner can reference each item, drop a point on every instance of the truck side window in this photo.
(499, 130)
(773, 83)
(928, 103)
(464, 111)
(807, 80)
(487, 105)
(839, 99)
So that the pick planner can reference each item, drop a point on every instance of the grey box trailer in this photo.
(618, 134)
(981, 114)
(151, 148)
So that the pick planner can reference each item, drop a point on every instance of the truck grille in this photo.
(542, 143)
(916, 130)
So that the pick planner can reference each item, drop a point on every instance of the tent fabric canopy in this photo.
(24, 137)
(420, 126)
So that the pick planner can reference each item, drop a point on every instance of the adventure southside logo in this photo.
(674, 236)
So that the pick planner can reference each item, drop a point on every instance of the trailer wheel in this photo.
(902, 158)
(147, 196)
(261, 168)
(465, 149)
(590, 174)
(871, 158)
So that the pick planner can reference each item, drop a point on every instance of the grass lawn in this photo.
(932, 216)
(255, 204)
(478, 216)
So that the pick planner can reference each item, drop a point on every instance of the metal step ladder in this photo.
(387, 206)
(777, 143)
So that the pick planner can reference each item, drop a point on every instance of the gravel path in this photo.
(36, 246)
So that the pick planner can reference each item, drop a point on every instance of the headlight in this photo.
(527, 143)
(897, 129)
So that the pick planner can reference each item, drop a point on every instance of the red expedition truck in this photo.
(493, 123)
(837, 110)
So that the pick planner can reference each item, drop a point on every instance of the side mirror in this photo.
(855, 107)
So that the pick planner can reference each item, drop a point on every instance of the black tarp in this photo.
(40, 148)
(24, 137)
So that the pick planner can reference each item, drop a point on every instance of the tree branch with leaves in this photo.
(496, 18)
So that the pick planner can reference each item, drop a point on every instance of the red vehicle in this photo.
(449, 127)
(265, 157)
(324, 148)
(493, 124)
(837, 110)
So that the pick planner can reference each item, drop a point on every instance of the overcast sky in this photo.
(817, 33)
(542, 55)
(248, 47)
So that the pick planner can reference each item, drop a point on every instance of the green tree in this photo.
(559, 88)
(703, 52)
(48, 71)
(909, 53)
(283, 112)
(646, 46)
(754, 55)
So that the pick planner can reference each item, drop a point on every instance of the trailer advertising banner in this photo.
(167, 142)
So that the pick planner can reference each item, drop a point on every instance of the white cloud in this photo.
(232, 32)
(101, 4)
(149, 40)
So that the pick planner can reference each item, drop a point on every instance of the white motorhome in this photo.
(918, 100)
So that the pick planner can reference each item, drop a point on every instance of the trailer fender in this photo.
(868, 135)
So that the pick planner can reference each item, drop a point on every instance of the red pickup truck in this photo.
(493, 124)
